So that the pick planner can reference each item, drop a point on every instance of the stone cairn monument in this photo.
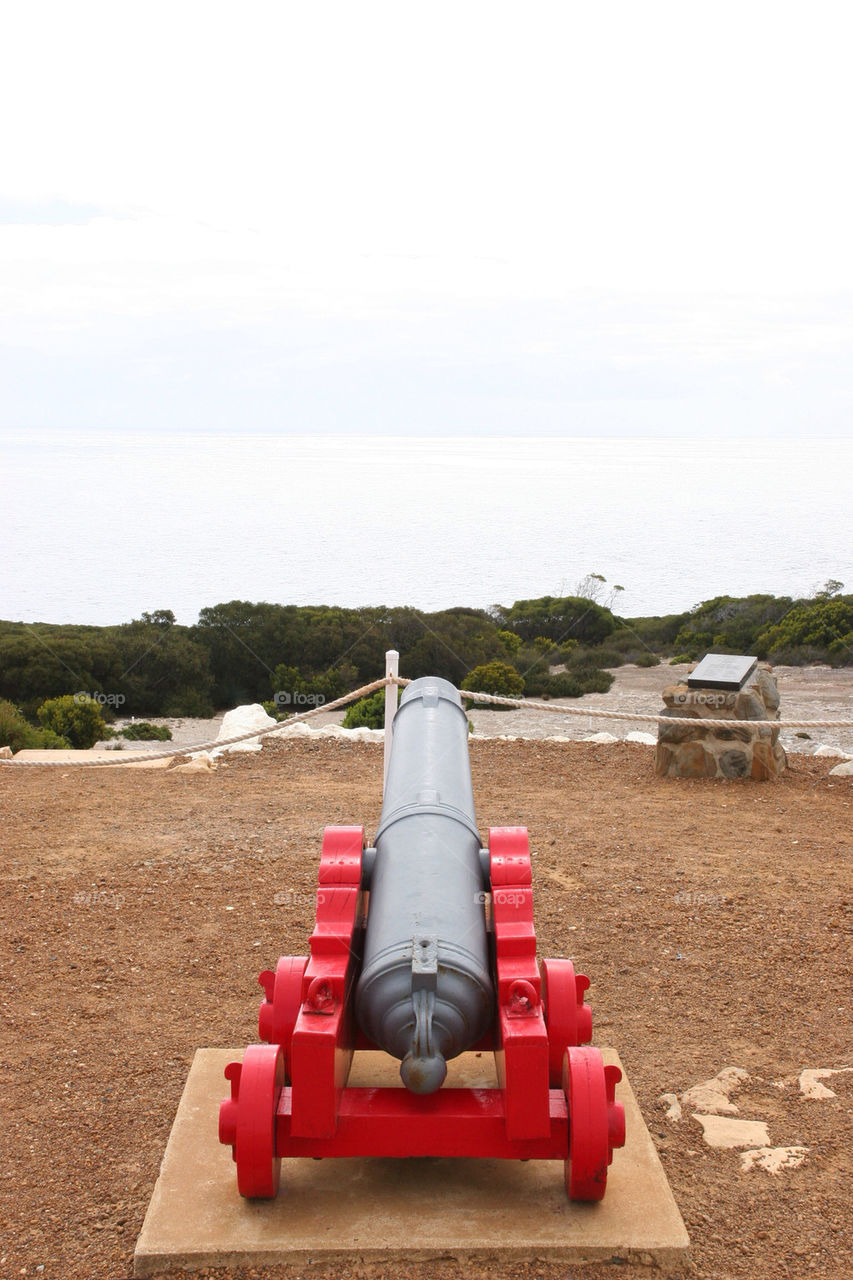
(722, 687)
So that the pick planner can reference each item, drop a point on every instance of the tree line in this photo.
(242, 651)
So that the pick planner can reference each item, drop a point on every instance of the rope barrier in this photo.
(593, 713)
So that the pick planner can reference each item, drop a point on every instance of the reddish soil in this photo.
(713, 918)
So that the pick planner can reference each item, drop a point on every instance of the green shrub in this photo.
(16, 731)
(561, 685)
(510, 641)
(840, 652)
(657, 632)
(804, 655)
(46, 739)
(558, 618)
(367, 713)
(75, 717)
(646, 659)
(679, 659)
(603, 657)
(730, 624)
(536, 681)
(143, 731)
(494, 677)
(594, 681)
(814, 626)
(296, 693)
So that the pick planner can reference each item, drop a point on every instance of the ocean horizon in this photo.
(98, 527)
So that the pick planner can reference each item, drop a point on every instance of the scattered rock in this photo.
(673, 1106)
(647, 739)
(203, 762)
(713, 1096)
(834, 753)
(722, 1131)
(603, 738)
(844, 770)
(303, 730)
(5, 753)
(773, 1159)
(243, 720)
(809, 1082)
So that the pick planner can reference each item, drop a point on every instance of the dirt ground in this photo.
(713, 918)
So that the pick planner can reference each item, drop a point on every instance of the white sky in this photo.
(556, 218)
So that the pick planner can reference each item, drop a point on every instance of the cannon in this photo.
(424, 948)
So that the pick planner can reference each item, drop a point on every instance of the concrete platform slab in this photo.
(379, 1210)
(91, 757)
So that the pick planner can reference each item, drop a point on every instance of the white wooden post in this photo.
(392, 668)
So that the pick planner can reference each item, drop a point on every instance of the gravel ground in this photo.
(713, 918)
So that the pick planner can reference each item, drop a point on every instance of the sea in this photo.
(97, 527)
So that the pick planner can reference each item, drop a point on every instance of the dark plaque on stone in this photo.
(722, 671)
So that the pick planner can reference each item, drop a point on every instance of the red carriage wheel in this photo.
(247, 1119)
(596, 1121)
(568, 1019)
(283, 989)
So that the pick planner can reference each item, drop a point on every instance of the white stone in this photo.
(713, 1096)
(844, 770)
(243, 720)
(647, 739)
(673, 1106)
(201, 762)
(303, 730)
(773, 1159)
(5, 753)
(603, 738)
(723, 1131)
(809, 1082)
(834, 752)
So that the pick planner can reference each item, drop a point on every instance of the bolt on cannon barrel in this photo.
(425, 993)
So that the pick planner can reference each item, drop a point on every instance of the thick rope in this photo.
(595, 714)
(590, 713)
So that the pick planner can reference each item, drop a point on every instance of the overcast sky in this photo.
(626, 218)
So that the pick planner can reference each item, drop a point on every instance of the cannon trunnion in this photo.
(424, 947)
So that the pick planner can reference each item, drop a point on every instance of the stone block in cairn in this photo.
(690, 751)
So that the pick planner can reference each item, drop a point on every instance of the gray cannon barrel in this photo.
(425, 993)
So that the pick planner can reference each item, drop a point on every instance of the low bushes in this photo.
(498, 678)
(144, 731)
(74, 717)
(367, 713)
(17, 732)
